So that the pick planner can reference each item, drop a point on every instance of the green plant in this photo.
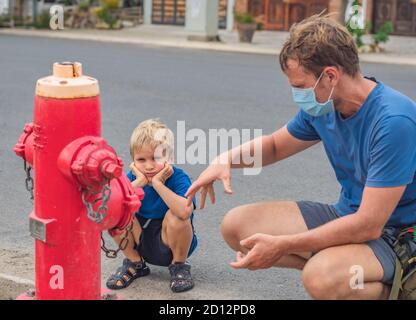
(84, 5)
(244, 18)
(106, 15)
(260, 26)
(2, 21)
(42, 21)
(382, 36)
(110, 4)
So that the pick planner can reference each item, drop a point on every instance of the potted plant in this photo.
(382, 36)
(107, 13)
(246, 26)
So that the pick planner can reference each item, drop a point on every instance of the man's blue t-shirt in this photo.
(153, 206)
(375, 147)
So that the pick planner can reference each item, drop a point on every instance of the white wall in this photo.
(4, 5)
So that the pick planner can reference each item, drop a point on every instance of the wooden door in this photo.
(169, 12)
(282, 14)
(274, 15)
(222, 14)
(402, 13)
(256, 7)
(173, 12)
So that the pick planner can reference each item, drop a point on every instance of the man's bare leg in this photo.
(327, 274)
(331, 274)
(274, 218)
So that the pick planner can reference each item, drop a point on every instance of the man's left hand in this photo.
(264, 251)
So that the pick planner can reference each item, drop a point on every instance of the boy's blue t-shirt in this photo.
(375, 147)
(153, 206)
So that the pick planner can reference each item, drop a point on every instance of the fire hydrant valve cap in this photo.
(112, 170)
(24, 147)
(67, 82)
(91, 160)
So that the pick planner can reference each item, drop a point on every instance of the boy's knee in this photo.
(176, 223)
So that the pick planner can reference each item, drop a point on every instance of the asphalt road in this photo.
(207, 90)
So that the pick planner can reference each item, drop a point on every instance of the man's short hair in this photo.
(153, 133)
(320, 41)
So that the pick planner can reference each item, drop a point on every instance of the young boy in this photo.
(162, 233)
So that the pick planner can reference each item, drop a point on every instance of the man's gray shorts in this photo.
(316, 214)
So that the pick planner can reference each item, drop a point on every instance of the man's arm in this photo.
(275, 147)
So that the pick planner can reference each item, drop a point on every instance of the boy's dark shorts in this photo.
(316, 214)
(151, 247)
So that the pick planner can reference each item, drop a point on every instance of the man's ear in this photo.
(333, 74)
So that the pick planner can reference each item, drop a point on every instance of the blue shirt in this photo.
(153, 206)
(375, 147)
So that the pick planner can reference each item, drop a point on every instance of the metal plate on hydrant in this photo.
(37, 229)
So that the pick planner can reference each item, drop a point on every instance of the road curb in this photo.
(17, 280)
(13, 286)
(183, 44)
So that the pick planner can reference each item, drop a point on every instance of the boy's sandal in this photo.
(126, 274)
(181, 279)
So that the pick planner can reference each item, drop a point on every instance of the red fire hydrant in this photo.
(79, 188)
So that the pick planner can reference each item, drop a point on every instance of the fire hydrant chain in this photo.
(112, 254)
(100, 214)
(29, 180)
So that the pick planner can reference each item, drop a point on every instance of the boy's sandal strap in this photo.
(181, 279)
(121, 274)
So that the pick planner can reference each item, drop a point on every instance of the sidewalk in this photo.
(399, 50)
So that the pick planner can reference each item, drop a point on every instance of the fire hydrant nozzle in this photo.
(91, 161)
(111, 170)
(24, 147)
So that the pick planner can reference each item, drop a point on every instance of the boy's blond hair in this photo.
(155, 134)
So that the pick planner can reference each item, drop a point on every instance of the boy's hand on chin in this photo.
(139, 175)
(162, 175)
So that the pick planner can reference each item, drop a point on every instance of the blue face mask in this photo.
(306, 100)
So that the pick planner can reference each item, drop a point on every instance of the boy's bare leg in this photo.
(130, 252)
(177, 235)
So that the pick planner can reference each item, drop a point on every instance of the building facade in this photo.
(402, 13)
(281, 14)
(273, 14)
(173, 12)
